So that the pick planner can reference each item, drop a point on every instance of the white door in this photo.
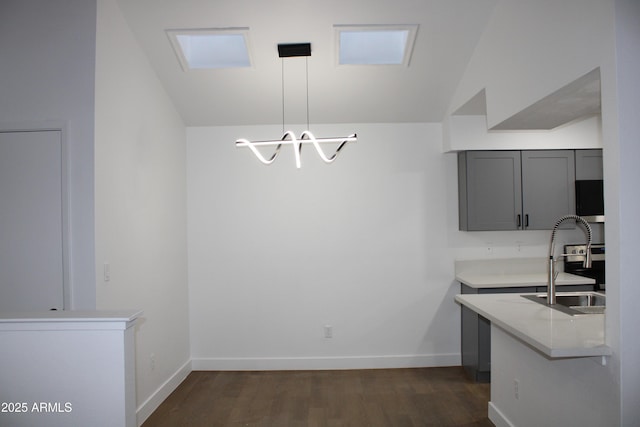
(31, 221)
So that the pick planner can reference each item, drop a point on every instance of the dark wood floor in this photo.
(385, 397)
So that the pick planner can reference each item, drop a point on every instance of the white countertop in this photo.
(69, 316)
(68, 319)
(502, 280)
(511, 272)
(551, 332)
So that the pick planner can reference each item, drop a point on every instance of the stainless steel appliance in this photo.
(590, 200)
(573, 263)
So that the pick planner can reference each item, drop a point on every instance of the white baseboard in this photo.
(497, 417)
(325, 363)
(151, 404)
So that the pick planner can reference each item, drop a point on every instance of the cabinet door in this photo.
(492, 195)
(588, 164)
(548, 187)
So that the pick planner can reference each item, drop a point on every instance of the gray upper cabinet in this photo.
(490, 190)
(549, 187)
(515, 190)
(588, 164)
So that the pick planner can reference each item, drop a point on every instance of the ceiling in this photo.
(447, 35)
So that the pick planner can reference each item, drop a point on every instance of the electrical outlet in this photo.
(152, 361)
(328, 331)
(489, 246)
(516, 389)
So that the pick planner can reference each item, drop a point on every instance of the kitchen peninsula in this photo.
(540, 355)
(498, 276)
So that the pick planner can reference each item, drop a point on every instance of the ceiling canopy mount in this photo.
(287, 50)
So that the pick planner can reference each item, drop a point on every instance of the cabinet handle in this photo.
(526, 221)
(519, 222)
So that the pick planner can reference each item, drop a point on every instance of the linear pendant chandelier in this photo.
(289, 138)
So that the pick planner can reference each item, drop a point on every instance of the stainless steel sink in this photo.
(574, 302)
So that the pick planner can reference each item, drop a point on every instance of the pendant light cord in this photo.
(306, 64)
(282, 74)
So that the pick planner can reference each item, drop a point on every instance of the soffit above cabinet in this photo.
(476, 106)
(576, 100)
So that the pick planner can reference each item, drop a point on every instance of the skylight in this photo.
(211, 48)
(375, 44)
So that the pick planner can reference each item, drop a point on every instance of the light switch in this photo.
(107, 272)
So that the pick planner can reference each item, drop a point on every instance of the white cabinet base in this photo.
(531, 390)
(65, 368)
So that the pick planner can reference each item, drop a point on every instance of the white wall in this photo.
(141, 207)
(47, 68)
(623, 164)
(366, 244)
(276, 253)
(532, 48)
